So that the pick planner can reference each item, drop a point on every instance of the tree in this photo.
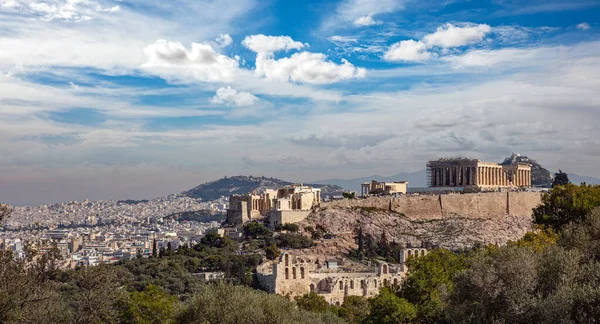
(154, 249)
(429, 278)
(355, 309)
(361, 243)
(256, 230)
(292, 228)
(349, 195)
(539, 240)
(565, 204)
(389, 308)
(498, 287)
(560, 179)
(226, 304)
(313, 302)
(293, 241)
(27, 293)
(95, 294)
(272, 252)
(153, 305)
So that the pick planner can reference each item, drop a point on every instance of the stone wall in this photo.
(493, 205)
(281, 217)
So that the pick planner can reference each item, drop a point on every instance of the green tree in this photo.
(565, 204)
(256, 230)
(272, 252)
(293, 241)
(154, 249)
(95, 294)
(349, 195)
(226, 304)
(429, 278)
(389, 308)
(354, 309)
(27, 292)
(498, 287)
(560, 179)
(292, 228)
(313, 302)
(539, 240)
(153, 305)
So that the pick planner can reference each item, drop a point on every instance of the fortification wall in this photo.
(522, 203)
(476, 205)
(423, 207)
(492, 205)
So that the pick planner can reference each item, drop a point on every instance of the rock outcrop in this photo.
(456, 222)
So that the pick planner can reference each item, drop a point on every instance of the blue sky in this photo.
(136, 99)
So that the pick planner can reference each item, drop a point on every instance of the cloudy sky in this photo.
(108, 99)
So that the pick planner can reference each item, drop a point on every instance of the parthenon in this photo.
(473, 174)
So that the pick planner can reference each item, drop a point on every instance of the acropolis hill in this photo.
(454, 221)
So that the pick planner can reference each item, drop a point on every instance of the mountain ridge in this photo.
(245, 184)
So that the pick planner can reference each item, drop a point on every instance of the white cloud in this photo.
(342, 39)
(355, 12)
(408, 50)
(111, 41)
(224, 40)
(449, 35)
(230, 96)
(306, 67)
(202, 62)
(271, 44)
(584, 26)
(67, 10)
(365, 21)
(9, 4)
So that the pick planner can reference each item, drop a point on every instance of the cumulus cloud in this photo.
(365, 21)
(449, 35)
(408, 50)
(270, 44)
(230, 96)
(584, 26)
(201, 61)
(306, 67)
(446, 36)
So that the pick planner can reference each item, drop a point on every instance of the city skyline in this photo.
(140, 99)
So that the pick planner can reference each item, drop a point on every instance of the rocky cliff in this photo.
(451, 221)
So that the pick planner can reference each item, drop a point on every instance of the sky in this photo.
(115, 99)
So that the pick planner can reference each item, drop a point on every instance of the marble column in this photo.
(499, 175)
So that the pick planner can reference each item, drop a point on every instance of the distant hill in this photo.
(245, 184)
(577, 179)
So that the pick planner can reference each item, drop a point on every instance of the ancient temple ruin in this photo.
(288, 204)
(475, 175)
(296, 275)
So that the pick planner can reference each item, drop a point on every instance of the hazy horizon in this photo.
(107, 99)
